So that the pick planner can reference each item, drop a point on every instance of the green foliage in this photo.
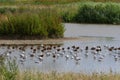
(43, 24)
(105, 13)
(51, 2)
(4, 10)
(7, 0)
(9, 70)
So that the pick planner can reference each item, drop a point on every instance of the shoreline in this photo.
(33, 41)
(40, 41)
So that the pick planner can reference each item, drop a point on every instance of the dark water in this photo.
(105, 36)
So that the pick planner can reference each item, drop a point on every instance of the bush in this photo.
(107, 13)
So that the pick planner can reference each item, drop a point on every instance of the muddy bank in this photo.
(43, 41)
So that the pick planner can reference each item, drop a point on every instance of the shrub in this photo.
(107, 13)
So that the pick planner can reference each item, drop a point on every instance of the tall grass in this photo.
(43, 24)
(8, 69)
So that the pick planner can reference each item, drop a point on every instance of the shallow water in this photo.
(94, 35)
(92, 31)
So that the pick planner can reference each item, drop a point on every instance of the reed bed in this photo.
(41, 24)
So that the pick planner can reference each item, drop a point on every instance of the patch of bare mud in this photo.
(44, 41)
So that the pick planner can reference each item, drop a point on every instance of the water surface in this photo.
(89, 35)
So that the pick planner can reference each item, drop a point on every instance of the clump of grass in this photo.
(8, 69)
(43, 24)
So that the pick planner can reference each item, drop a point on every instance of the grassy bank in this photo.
(10, 71)
(66, 76)
(41, 24)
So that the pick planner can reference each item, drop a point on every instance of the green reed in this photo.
(42, 24)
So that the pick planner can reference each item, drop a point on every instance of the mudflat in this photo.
(43, 41)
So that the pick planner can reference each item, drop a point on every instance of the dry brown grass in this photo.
(66, 76)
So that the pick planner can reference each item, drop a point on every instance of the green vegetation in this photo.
(8, 68)
(91, 12)
(48, 2)
(4, 10)
(80, 12)
(105, 13)
(42, 24)
(45, 21)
